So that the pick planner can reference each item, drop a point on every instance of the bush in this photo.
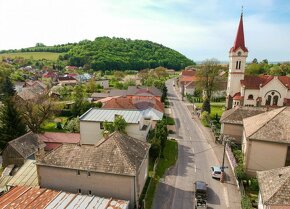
(205, 118)
(246, 202)
(154, 150)
(58, 125)
(169, 120)
(253, 184)
(238, 155)
(240, 172)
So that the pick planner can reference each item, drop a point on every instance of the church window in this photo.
(238, 65)
(239, 53)
(251, 97)
(275, 100)
(268, 101)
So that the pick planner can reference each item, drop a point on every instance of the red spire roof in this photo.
(240, 40)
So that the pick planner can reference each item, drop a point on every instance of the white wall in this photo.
(90, 132)
(100, 184)
(255, 93)
(103, 83)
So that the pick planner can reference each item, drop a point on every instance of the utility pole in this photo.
(226, 140)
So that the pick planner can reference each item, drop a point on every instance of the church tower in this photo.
(237, 55)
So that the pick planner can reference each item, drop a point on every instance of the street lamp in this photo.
(226, 140)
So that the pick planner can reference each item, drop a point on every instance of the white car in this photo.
(216, 172)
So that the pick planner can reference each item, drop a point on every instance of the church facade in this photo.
(245, 90)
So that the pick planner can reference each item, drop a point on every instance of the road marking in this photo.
(226, 197)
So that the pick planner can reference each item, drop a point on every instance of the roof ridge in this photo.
(282, 108)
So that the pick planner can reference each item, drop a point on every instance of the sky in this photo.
(199, 29)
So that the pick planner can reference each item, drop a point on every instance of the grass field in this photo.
(33, 55)
(50, 125)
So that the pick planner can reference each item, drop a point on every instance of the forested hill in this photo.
(106, 53)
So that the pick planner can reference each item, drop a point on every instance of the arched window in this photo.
(268, 101)
(275, 100)
(251, 97)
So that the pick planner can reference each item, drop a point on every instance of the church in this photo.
(254, 91)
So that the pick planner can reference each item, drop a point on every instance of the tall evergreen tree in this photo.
(11, 123)
(7, 87)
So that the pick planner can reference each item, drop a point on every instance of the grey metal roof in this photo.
(25, 176)
(130, 116)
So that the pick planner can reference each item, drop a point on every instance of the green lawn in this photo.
(169, 120)
(216, 108)
(50, 125)
(33, 55)
(170, 157)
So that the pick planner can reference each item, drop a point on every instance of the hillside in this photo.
(106, 53)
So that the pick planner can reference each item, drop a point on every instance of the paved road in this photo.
(195, 157)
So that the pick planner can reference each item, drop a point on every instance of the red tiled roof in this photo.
(254, 82)
(54, 137)
(240, 40)
(237, 96)
(188, 73)
(135, 102)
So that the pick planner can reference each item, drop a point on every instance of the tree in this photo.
(7, 87)
(207, 77)
(161, 134)
(79, 99)
(120, 124)
(73, 125)
(11, 122)
(255, 61)
(35, 111)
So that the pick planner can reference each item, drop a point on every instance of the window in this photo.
(275, 100)
(251, 97)
(90, 192)
(238, 65)
(78, 172)
(101, 125)
(79, 191)
(89, 173)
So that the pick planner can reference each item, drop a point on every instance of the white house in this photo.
(139, 122)
(103, 83)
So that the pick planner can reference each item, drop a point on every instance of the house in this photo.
(266, 141)
(143, 91)
(116, 166)
(186, 81)
(134, 103)
(274, 187)
(41, 198)
(22, 148)
(97, 96)
(245, 90)
(83, 77)
(232, 121)
(117, 92)
(139, 122)
(31, 90)
(67, 81)
(104, 83)
(54, 140)
(50, 74)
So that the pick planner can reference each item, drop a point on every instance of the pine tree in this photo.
(7, 87)
(11, 124)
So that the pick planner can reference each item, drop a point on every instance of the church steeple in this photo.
(240, 40)
(237, 63)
